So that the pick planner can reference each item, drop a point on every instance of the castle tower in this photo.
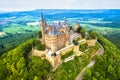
(67, 36)
(54, 43)
(43, 23)
(50, 29)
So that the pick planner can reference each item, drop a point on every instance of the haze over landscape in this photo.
(22, 5)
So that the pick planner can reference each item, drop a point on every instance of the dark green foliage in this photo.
(39, 34)
(83, 47)
(114, 37)
(92, 34)
(40, 47)
(107, 66)
(88, 38)
(17, 64)
(67, 55)
(39, 68)
(71, 28)
(79, 29)
(82, 32)
(75, 42)
(11, 41)
(114, 24)
(37, 44)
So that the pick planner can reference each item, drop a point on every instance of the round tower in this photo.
(54, 43)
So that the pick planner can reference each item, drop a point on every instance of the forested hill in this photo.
(107, 66)
(17, 64)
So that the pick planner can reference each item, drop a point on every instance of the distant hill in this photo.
(70, 12)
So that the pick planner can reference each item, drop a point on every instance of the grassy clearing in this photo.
(18, 28)
(67, 55)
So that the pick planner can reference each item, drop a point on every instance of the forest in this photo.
(11, 41)
(107, 66)
(112, 25)
(19, 64)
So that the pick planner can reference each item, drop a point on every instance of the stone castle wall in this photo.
(91, 42)
(61, 41)
(53, 60)
(66, 49)
(38, 53)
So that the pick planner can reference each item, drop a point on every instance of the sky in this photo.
(22, 5)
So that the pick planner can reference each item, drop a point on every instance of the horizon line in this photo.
(60, 9)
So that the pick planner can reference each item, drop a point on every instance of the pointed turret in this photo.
(42, 19)
(42, 16)
(43, 24)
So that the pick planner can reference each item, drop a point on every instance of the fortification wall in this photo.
(57, 60)
(66, 49)
(53, 60)
(91, 42)
(38, 53)
(50, 59)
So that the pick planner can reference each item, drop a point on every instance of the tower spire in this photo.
(42, 18)
(43, 28)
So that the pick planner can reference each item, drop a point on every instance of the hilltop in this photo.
(19, 64)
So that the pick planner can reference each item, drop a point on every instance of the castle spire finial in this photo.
(42, 18)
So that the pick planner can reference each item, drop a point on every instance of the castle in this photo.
(58, 39)
(55, 36)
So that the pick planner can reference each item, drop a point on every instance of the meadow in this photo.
(18, 28)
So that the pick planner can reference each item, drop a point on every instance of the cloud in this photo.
(14, 5)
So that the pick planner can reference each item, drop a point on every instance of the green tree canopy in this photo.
(92, 34)
(82, 32)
